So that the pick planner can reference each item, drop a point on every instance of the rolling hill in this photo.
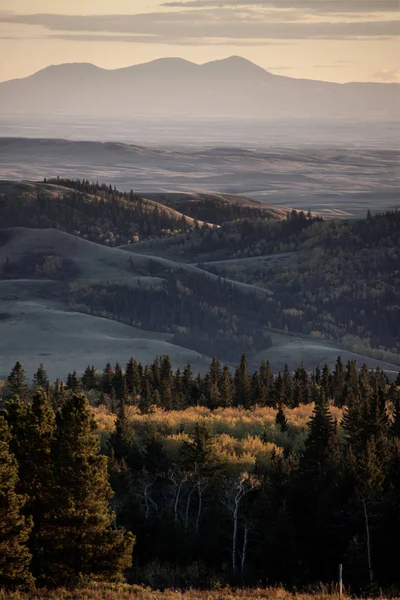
(171, 87)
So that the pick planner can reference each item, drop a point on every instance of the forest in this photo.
(171, 479)
(331, 279)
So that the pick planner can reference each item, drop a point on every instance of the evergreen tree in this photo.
(17, 382)
(133, 378)
(338, 382)
(121, 439)
(242, 383)
(36, 473)
(197, 455)
(83, 543)
(227, 389)
(14, 526)
(40, 378)
(280, 419)
(89, 380)
(118, 383)
(107, 379)
(73, 384)
(321, 446)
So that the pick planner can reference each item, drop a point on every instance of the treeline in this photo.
(344, 284)
(220, 211)
(206, 314)
(56, 523)
(331, 499)
(242, 237)
(101, 215)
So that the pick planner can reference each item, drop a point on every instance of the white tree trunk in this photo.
(189, 498)
(234, 537)
(371, 573)
(244, 550)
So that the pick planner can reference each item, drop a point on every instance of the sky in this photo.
(331, 40)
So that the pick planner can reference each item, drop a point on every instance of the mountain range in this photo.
(171, 87)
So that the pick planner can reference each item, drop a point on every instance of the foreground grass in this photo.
(126, 592)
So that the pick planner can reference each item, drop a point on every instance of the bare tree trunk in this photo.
(371, 573)
(189, 498)
(178, 493)
(234, 537)
(244, 550)
(200, 492)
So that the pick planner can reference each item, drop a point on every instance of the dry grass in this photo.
(126, 592)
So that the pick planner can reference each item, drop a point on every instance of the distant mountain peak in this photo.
(235, 63)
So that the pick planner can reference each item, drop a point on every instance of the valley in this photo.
(202, 274)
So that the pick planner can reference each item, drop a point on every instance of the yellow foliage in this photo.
(238, 434)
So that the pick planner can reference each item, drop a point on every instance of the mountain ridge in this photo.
(168, 87)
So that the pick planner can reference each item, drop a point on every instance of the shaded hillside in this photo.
(95, 212)
(343, 283)
(219, 208)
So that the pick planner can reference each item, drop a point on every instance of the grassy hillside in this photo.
(218, 289)
(127, 592)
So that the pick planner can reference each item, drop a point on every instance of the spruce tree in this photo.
(40, 378)
(32, 435)
(73, 384)
(17, 382)
(118, 383)
(226, 388)
(280, 419)
(15, 528)
(79, 525)
(89, 381)
(321, 446)
(242, 383)
(133, 378)
(107, 379)
(121, 439)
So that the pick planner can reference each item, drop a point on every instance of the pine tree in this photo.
(17, 382)
(197, 455)
(215, 371)
(73, 384)
(227, 389)
(36, 472)
(121, 439)
(107, 379)
(89, 381)
(40, 378)
(242, 383)
(14, 526)
(133, 378)
(321, 446)
(338, 382)
(267, 379)
(280, 419)
(118, 383)
(79, 526)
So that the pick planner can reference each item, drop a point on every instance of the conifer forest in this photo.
(166, 478)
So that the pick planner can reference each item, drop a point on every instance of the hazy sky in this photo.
(335, 40)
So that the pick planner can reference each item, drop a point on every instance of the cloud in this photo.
(184, 27)
(388, 75)
(314, 6)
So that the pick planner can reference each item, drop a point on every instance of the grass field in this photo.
(126, 592)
